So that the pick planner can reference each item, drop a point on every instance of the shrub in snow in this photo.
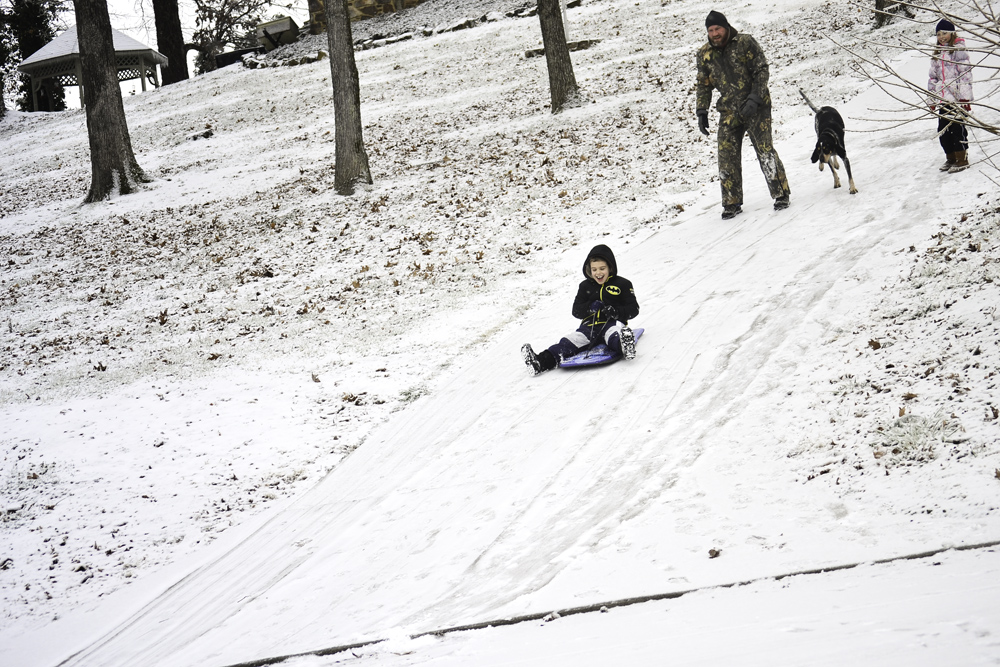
(912, 439)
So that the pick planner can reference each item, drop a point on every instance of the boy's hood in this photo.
(600, 252)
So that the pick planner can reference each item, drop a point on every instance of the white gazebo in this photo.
(60, 60)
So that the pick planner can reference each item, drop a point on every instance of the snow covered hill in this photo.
(245, 417)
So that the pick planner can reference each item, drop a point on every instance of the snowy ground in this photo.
(937, 611)
(182, 369)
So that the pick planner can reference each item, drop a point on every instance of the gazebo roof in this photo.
(65, 49)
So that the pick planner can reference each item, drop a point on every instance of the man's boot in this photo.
(961, 162)
(730, 211)
(949, 163)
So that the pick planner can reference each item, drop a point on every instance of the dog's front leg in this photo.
(833, 170)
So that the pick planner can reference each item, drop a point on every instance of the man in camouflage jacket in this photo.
(734, 64)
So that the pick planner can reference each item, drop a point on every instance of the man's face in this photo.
(717, 35)
(599, 270)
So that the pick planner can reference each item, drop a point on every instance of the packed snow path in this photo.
(473, 501)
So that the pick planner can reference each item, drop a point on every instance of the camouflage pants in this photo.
(731, 132)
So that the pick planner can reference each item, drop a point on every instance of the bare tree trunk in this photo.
(562, 81)
(170, 40)
(886, 9)
(114, 169)
(351, 159)
(6, 46)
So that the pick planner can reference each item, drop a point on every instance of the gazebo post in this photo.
(79, 82)
(142, 72)
(34, 94)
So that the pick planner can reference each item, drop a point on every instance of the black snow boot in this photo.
(730, 211)
(537, 363)
(782, 202)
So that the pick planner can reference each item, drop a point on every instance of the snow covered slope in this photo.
(255, 328)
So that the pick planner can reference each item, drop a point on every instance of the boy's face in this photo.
(599, 270)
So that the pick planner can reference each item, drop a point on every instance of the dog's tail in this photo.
(811, 105)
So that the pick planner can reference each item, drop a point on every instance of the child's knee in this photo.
(614, 342)
(566, 347)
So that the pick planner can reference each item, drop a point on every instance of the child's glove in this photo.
(610, 311)
(596, 306)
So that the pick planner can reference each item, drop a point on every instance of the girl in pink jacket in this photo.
(950, 86)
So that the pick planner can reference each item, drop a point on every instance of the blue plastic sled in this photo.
(599, 355)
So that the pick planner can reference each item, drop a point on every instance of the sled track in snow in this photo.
(611, 604)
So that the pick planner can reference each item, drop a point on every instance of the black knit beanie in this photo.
(945, 25)
(716, 18)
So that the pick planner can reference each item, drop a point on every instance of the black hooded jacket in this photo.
(616, 291)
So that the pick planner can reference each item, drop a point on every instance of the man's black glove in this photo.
(750, 106)
(703, 121)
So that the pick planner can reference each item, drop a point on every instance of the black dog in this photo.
(830, 142)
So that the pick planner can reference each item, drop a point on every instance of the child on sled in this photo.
(604, 303)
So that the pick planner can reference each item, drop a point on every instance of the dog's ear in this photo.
(815, 155)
